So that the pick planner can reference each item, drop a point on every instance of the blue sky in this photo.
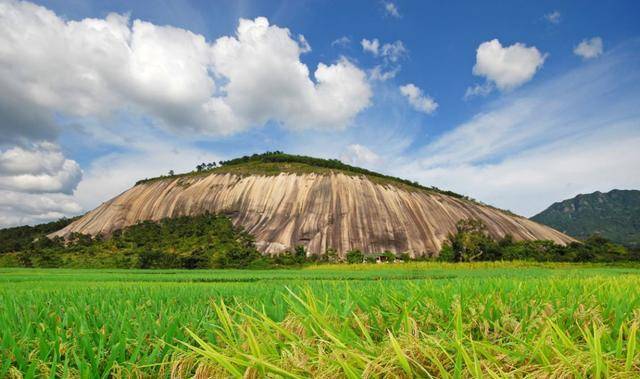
(518, 104)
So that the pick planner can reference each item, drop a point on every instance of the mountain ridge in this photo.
(614, 215)
(272, 163)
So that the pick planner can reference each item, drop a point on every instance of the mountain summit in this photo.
(285, 200)
(614, 215)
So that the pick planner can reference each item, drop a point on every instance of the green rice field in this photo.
(490, 320)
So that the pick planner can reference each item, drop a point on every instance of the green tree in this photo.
(355, 256)
(389, 256)
(470, 242)
(331, 255)
(300, 254)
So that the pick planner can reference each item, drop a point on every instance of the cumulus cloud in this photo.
(40, 169)
(36, 182)
(279, 87)
(418, 100)
(356, 154)
(553, 17)
(95, 67)
(507, 67)
(391, 9)
(589, 48)
(102, 179)
(56, 72)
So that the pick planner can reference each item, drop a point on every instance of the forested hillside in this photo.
(614, 215)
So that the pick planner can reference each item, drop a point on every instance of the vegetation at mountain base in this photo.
(276, 162)
(212, 241)
(424, 319)
(471, 242)
(205, 241)
(21, 238)
(614, 215)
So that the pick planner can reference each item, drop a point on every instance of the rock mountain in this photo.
(284, 201)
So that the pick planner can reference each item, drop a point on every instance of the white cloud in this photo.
(486, 134)
(588, 49)
(379, 73)
(553, 17)
(391, 9)
(357, 154)
(507, 67)
(42, 168)
(478, 90)
(575, 133)
(279, 87)
(372, 47)
(18, 208)
(304, 45)
(391, 52)
(419, 101)
(343, 41)
(96, 67)
(36, 183)
(104, 178)
(529, 182)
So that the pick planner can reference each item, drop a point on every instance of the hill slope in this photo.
(283, 204)
(614, 215)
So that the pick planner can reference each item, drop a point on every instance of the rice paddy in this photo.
(397, 320)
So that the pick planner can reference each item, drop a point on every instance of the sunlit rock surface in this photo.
(320, 211)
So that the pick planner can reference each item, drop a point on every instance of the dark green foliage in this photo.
(300, 254)
(370, 259)
(446, 253)
(206, 241)
(472, 242)
(285, 258)
(156, 259)
(355, 256)
(21, 237)
(388, 256)
(614, 215)
(198, 258)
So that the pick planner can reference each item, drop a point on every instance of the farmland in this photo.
(400, 320)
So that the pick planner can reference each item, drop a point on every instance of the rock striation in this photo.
(321, 211)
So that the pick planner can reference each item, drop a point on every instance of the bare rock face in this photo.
(320, 211)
